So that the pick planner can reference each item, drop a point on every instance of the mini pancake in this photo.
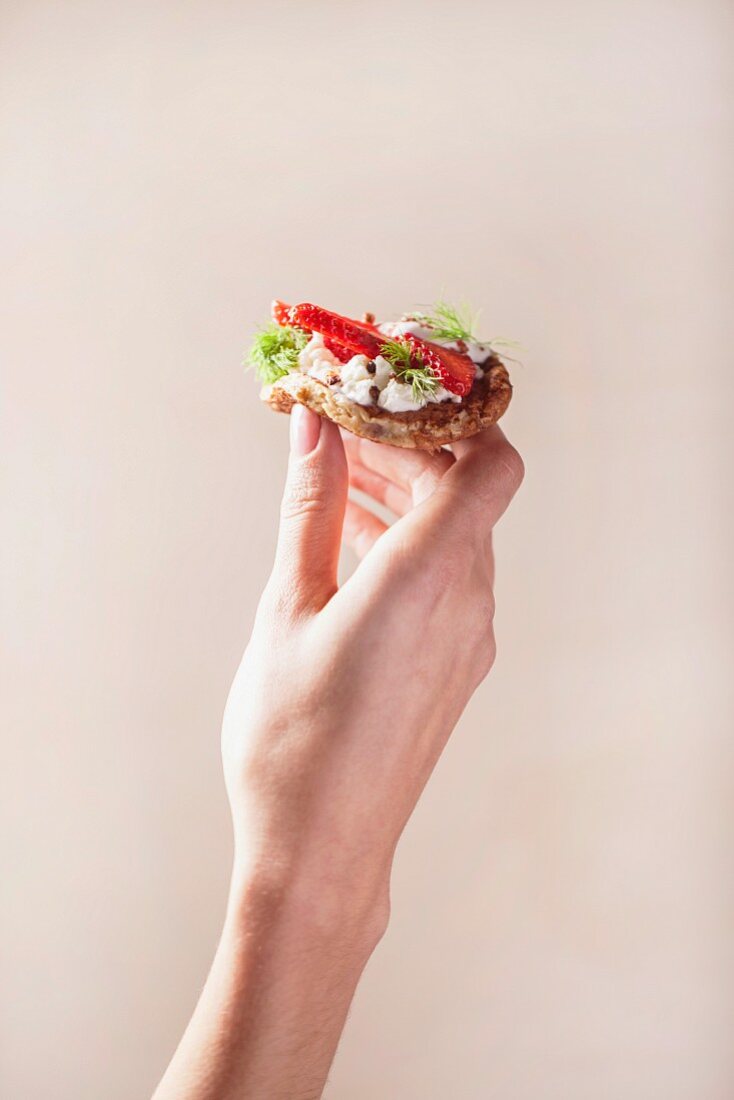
(427, 429)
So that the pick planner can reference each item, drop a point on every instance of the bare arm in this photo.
(337, 715)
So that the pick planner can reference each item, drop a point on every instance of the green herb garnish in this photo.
(410, 369)
(449, 322)
(275, 351)
(500, 342)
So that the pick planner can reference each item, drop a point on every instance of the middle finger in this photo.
(416, 472)
(379, 488)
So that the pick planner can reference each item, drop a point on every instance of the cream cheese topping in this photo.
(477, 350)
(316, 359)
(368, 381)
(358, 382)
(398, 397)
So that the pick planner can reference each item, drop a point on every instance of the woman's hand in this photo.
(346, 696)
(342, 704)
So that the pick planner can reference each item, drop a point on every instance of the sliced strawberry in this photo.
(310, 313)
(358, 336)
(346, 337)
(456, 371)
(279, 312)
(341, 351)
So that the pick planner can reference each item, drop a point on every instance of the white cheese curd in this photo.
(407, 328)
(357, 381)
(356, 370)
(477, 350)
(354, 381)
(443, 394)
(398, 397)
(315, 357)
(383, 372)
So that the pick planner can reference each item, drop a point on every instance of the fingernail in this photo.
(305, 430)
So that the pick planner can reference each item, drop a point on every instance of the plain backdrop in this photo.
(562, 902)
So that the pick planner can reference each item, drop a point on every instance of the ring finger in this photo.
(379, 488)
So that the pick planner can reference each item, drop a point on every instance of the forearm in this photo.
(275, 1001)
(337, 715)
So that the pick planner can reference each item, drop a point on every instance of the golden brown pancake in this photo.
(427, 429)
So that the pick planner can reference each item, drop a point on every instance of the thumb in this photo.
(312, 513)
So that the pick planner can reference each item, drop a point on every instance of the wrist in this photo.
(315, 910)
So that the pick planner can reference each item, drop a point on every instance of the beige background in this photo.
(562, 901)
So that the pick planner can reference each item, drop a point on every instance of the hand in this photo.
(345, 697)
(338, 713)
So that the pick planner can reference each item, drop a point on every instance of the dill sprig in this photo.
(399, 355)
(275, 351)
(450, 322)
(410, 369)
(501, 342)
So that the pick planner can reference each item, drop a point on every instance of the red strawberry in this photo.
(358, 336)
(456, 371)
(279, 312)
(341, 351)
(346, 337)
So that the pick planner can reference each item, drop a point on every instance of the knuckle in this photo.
(424, 484)
(297, 507)
(511, 461)
(304, 495)
(278, 603)
(483, 616)
(398, 572)
(485, 656)
(488, 606)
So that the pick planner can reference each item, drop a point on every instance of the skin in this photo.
(342, 704)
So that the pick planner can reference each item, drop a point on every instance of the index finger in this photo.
(485, 477)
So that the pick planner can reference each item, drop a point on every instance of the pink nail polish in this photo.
(305, 430)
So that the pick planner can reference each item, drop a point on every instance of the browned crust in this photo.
(427, 429)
